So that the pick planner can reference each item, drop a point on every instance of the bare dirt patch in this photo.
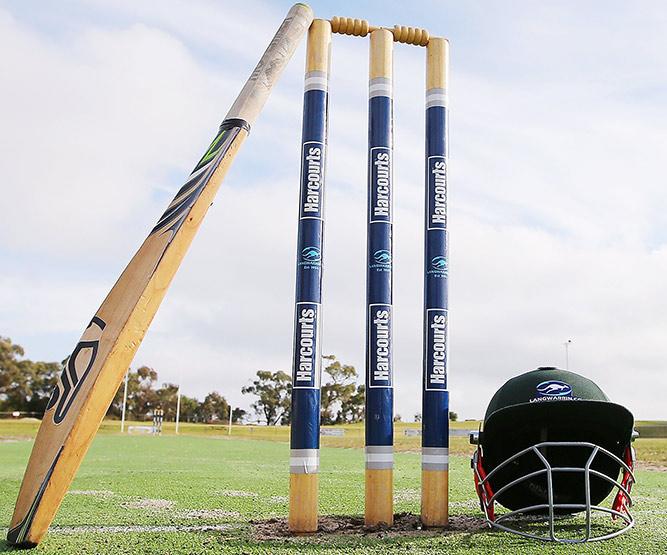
(405, 524)
(92, 492)
(149, 504)
(651, 466)
(235, 493)
(407, 495)
(14, 439)
(207, 513)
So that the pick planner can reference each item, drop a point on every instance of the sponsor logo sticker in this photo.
(311, 254)
(306, 364)
(311, 258)
(379, 351)
(438, 267)
(380, 175)
(436, 349)
(312, 180)
(554, 388)
(437, 192)
(381, 261)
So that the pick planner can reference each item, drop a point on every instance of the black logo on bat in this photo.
(75, 370)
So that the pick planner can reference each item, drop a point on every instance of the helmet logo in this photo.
(554, 388)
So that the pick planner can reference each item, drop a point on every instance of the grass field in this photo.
(198, 493)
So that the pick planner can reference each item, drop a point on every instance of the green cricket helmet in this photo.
(553, 444)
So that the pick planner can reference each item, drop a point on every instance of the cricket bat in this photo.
(95, 369)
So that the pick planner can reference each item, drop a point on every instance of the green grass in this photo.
(234, 481)
(649, 450)
(648, 428)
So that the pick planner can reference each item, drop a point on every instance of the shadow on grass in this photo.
(6, 547)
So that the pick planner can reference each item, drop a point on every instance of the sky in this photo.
(558, 226)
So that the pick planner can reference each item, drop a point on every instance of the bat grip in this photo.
(255, 92)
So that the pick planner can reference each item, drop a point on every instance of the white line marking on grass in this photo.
(149, 504)
(235, 493)
(660, 512)
(407, 495)
(14, 439)
(468, 504)
(72, 530)
(207, 513)
(92, 492)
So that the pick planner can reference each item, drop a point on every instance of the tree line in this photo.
(342, 399)
(144, 395)
(26, 386)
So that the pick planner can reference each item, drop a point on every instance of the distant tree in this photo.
(142, 397)
(418, 417)
(145, 399)
(43, 377)
(338, 393)
(10, 354)
(273, 390)
(167, 398)
(238, 415)
(190, 409)
(352, 409)
(453, 416)
(24, 385)
(397, 418)
(214, 408)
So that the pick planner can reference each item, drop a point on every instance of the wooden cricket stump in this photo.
(303, 491)
(435, 395)
(379, 497)
(435, 493)
(307, 360)
(379, 505)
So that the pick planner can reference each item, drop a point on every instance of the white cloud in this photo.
(556, 201)
(91, 125)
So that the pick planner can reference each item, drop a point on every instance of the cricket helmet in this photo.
(553, 445)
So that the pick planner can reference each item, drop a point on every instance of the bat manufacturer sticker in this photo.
(176, 212)
(76, 370)
(18, 534)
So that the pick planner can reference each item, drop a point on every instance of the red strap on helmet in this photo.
(485, 492)
(622, 502)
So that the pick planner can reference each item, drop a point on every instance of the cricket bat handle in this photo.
(255, 92)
